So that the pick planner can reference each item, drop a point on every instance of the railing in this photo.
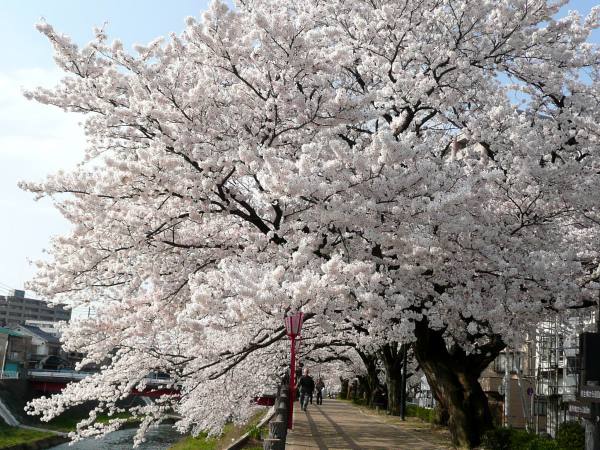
(278, 425)
(46, 373)
(9, 375)
(152, 380)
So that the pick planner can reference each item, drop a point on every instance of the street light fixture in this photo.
(293, 327)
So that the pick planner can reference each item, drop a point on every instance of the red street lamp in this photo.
(293, 326)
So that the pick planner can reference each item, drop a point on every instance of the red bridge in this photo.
(54, 381)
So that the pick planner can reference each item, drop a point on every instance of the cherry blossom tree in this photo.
(419, 171)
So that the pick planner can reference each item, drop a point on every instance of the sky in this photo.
(37, 140)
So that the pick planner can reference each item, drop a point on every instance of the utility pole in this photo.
(403, 384)
(506, 389)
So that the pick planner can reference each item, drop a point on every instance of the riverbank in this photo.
(15, 438)
(231, 433)
(16, 393)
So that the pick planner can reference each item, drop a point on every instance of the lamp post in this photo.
(293, 326)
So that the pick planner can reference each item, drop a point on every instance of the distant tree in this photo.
(415, 170)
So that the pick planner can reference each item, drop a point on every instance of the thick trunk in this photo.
(393, 382)
(369, 382)
(453, 377)
(391, 355)
(344, 391)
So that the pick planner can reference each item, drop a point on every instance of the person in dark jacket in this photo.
(306, 385)
(320, 388)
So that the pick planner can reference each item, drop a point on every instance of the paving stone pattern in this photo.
(339, 425)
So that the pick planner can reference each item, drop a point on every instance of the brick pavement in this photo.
(339, 425)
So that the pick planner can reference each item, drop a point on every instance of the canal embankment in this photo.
(33, 434)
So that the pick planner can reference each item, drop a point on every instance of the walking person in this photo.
(306, 385)
(320, 387)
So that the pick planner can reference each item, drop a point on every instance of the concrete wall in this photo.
(15, 394)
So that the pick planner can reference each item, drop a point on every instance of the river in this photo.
(160, 438)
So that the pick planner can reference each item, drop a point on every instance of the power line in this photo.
(6, 286)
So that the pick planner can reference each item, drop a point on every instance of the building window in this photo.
(514, 362)
(572, 365)
(540, 407)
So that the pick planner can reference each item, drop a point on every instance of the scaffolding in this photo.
(556, 365)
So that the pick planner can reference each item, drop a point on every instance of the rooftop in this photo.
(10, 332)
(41, 334)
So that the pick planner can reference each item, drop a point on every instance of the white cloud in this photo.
(35, 140)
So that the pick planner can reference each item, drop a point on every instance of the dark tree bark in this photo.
(391, 355)
(369, 382)
(453, 376)
(345, 388)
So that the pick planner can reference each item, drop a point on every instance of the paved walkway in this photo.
(338, 425)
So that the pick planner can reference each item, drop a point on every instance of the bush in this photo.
(425, 414)
(497, 439)
(570, 436)
(510, 439)
(359, 401)
(543, 444)
(255, 432)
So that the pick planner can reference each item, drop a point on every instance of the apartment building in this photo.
(531, 386)
(16, 309)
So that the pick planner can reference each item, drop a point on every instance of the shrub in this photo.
(497, 439)
(541, 443)
(426, 414)
(570, 436)
(510, 439)
(359, 401)
(255, 432)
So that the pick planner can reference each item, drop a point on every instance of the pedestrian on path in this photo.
(320, 387)
(306, 385)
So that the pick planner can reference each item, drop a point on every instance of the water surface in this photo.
(160, 438)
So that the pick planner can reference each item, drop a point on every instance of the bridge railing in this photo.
(152, 380)
(47, 373)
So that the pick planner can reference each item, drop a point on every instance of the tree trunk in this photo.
(369, 382)
(344, 390)
(453, 377)
(391, 355)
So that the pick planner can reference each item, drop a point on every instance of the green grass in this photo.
(202, 441)
(13, 435)
(230, 433)
(425, 414)
(196, 443)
